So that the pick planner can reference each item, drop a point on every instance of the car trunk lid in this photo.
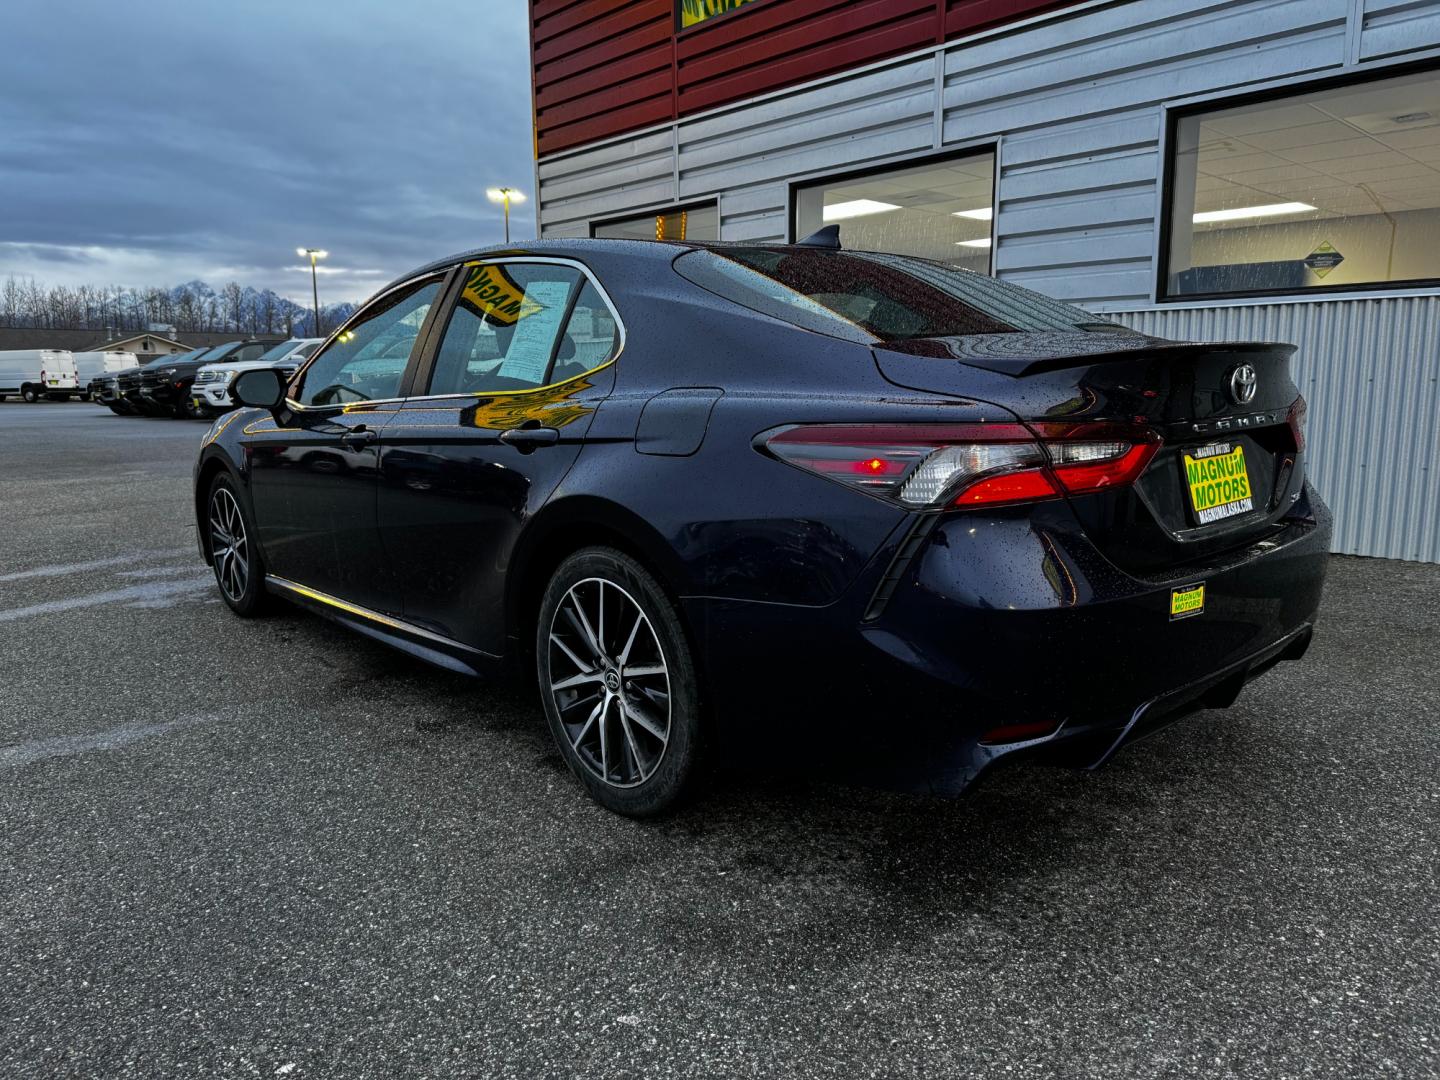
(1229, 466)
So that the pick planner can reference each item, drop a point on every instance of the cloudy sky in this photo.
(152, 142)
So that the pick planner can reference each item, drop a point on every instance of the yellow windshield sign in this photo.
(697, 11)
(493, 295)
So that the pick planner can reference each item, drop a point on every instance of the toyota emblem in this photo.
(1243, 383)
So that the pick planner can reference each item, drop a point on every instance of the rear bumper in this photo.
(1005, 635)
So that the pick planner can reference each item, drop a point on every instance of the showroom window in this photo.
(1331, 189)
(940, 210)
(700, 222)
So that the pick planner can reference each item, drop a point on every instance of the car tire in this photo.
(29, 394)
(234, 558)
(620, 690)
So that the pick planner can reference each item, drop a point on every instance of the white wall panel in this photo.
(886, 111)
(603, 181)
(1399, 26)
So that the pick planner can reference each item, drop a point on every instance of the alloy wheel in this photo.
(229, 546)
(609, 682)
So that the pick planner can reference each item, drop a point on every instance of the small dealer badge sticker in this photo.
(1186, 601)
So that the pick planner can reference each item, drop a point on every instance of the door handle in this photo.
(357, 437)
(527, 438)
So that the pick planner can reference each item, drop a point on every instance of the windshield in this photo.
(278, 352)
(172, 359)
(218, 352)
(870, 297)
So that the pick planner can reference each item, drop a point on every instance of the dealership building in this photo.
(1195, 170)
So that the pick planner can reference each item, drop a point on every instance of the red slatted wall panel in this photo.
(603, 67)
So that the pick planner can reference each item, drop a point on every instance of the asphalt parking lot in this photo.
(275, 848)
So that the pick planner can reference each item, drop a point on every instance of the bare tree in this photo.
(10, 303)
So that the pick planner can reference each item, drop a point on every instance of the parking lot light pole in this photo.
(315, 255)
(506, 195)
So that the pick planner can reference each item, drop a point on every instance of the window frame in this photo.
(1295, 91)
(890, 165)
(656, 211)
(424, 371)
(443, 276)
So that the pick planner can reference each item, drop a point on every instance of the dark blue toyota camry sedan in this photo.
(694, 490)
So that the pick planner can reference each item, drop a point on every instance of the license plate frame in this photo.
(1217, 482)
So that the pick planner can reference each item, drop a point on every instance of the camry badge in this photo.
(1243, 383)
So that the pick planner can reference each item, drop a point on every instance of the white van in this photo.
(38, 373)
(91, 365)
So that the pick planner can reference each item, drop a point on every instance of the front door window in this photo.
(366, 360)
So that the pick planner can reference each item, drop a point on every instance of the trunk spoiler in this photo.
(1019, 355)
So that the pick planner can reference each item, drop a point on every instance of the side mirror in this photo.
(263, 388)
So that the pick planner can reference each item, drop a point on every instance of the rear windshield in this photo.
(869, 297)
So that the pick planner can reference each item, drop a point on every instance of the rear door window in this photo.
(507, 330)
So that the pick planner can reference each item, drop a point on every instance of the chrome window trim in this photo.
(499, 260)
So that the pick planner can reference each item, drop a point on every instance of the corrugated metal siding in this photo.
(1075, 101)
(602, 67)
(616, 176)
(1369, 370)
(810, 130)
(1391, 27)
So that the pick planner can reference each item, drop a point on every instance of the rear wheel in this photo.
(30, 394)
(618, 682)
(238, 569)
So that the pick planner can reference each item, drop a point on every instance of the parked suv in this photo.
(165, 387)
(210, 395)
(119, 391)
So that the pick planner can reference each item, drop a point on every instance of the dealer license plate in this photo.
(1219, 482)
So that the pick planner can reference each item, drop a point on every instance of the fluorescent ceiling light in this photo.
(1239, 212)
(856, 208)
(973, 243)
(984, 213)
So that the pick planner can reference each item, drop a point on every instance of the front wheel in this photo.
(619, 682)
(238, 569)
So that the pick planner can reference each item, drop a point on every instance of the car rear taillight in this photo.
(926, 466)
(1296, 419)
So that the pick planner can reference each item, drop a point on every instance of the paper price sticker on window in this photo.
(543, 310)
